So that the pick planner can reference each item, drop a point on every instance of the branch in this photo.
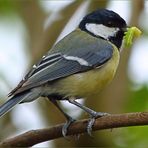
(33, 137)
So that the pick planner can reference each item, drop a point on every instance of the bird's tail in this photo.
(8, 105)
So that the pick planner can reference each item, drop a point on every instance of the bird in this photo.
(78, 66)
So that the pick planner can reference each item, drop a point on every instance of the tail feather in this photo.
(8, 105)
(4, 108)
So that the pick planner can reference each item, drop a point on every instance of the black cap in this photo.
(107, 18)
(103, 16)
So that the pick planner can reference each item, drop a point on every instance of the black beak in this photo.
(125, 29)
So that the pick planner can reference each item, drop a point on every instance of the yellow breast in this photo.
(91, 82)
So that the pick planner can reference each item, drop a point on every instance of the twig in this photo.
(33, 137)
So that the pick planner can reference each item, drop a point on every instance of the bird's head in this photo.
(105, 24)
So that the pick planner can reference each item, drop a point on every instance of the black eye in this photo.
(109, 24)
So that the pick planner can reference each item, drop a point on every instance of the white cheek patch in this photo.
(101, 30)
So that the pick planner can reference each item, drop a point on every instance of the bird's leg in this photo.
(70, 120)
(92, 113)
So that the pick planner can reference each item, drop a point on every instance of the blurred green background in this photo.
(29, 28)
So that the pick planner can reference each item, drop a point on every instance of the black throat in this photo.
(117, 40)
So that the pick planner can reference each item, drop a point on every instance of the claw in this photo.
(92, 114)
(89, 126)
(92, 121)
(66, 126)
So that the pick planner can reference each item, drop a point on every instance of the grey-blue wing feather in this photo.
(54, 66)
(63, 67)
(97, 58)
(58, 70)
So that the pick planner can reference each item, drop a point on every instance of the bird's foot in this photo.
(66, 126)
(91, 122)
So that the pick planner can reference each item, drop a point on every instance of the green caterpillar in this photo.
(130, 34)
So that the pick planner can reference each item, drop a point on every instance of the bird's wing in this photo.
(58, 65)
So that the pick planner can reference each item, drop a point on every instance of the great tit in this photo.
(78, 66)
